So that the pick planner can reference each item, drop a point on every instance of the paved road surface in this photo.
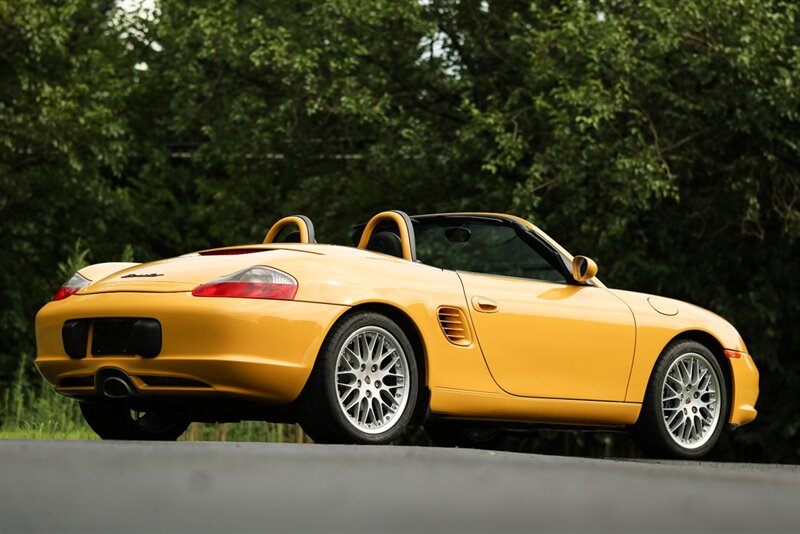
(50, 486)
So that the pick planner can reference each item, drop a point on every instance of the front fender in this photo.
(654, 330)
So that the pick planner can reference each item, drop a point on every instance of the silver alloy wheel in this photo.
(372, 379)
(689, 403)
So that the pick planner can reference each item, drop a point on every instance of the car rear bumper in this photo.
(261, 350)
(745, 390)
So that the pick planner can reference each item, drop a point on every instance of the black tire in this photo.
(651, 431)
(464, 436)
(319, 410)
(116, 421)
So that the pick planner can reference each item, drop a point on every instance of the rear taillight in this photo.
(72, 286)
(251, 283)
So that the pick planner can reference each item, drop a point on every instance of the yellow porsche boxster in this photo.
(457, 322)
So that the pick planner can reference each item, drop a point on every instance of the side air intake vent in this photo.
(454, 325)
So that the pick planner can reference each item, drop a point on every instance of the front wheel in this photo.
(686, 403)
(364, 385)
(117, 421)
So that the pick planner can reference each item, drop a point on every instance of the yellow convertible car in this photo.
(464, 323)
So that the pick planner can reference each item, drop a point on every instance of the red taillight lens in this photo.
(72, 286)
(251, 283)
(247, 290)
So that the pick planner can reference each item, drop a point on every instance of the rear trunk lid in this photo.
(184, 273)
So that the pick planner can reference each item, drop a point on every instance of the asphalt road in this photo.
(49, 486)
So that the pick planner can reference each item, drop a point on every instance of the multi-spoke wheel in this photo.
(689, 400)
(112, 420)
(371, 375)
(685, 404)
(364, 384)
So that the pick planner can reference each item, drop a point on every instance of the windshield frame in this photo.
(541, 246)
(545, 246)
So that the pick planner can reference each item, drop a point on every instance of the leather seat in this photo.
(386, 243)
(291, 237)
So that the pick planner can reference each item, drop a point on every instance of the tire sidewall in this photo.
(656, 407)
(331, 352)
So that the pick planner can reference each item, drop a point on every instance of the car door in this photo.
(542, 334)
(549, 339)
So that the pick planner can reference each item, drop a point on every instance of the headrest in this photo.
(386, 243)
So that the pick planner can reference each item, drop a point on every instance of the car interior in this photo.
(472, 243)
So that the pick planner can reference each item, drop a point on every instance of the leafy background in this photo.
(662, 138)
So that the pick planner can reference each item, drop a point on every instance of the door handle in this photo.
(483, 304)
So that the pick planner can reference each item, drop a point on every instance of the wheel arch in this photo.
(715, 346)
(410, 329)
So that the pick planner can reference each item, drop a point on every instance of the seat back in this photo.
(386, 242)
(400, 244)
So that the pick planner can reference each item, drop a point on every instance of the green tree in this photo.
(64, 74)
(660, 138)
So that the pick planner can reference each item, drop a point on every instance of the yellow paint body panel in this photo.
(500, 407)
(258, 349)
(549, 352)
(745, 390)
(554, 340)
(655, 331)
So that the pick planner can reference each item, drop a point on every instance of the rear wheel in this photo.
(686, 403)
(117, 421)
(364, 385)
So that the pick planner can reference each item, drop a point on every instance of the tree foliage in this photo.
(659, 137)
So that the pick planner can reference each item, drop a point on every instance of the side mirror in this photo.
(583, 268)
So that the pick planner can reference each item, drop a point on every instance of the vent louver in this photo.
(77, 382)
(172, 382)
(454, 325)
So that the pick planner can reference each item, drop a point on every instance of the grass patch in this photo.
(33, 433)
(257, 431)
(31, 409)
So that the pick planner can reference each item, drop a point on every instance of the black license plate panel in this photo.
(113, 337)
